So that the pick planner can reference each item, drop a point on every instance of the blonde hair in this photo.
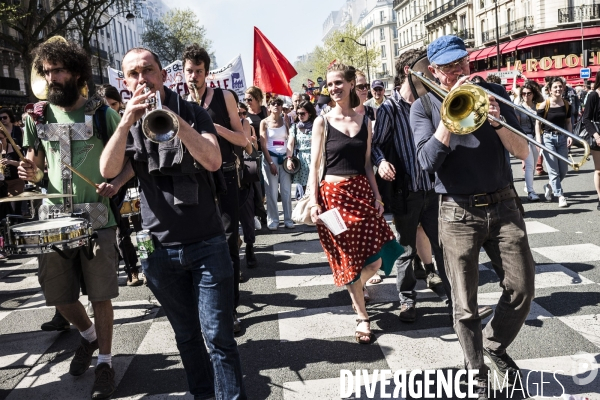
(255, 92)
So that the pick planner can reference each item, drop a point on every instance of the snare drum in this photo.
(40, 237)
(131, 204)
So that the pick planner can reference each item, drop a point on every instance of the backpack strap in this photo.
(426, 101)
(100, 122)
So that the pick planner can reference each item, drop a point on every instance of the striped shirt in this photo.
(403, 140)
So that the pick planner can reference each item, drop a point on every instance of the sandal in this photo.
(375, 279)
(359, 334)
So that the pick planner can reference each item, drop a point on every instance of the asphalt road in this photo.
(298, 327)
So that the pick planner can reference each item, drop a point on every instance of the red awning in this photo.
(490, 51)
(512, 45)
(566, 35)
(473, 55)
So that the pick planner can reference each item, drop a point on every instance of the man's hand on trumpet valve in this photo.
(136, 106)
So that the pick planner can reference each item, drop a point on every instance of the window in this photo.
(381, 34)
(396, 50)
(395, 33)
(384, 68)
(383, 52)
(122, 41)
(394, 13)
(115, 36)
(381, 16)
(462, 22)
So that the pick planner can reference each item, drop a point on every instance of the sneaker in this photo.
(419, 269)
(237, 324)
(257, 224)
(243, 278)
(273, 226)
(289, 225)
(525, 189)
(250, 256)
(548, 192)
(598, 206)
(433, 280)
(541, 173)
(502, 365)
(562, 201)
(83, 357)
(481, 389)
(134, 280)
(57, 323)
(408, 313)
(3, 255)
(533, 196)
(90, 310)
(104, 384)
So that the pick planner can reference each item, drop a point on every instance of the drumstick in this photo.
(14, 145)
(79, 174)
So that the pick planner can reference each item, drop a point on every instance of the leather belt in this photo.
(484, 199)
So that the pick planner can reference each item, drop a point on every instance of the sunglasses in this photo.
(526, 93)
(4, 117)
(362, 86)
(301, 113)
(242, 113)
(277, 104)
(248, 99)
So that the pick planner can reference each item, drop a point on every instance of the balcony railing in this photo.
(512, 28)
(382, 75)
(103, 53)
(397, 3)
(443, 9)
(369, 25)
(578, 14)
(466, 34)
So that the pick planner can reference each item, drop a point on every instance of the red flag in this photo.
(272, 71)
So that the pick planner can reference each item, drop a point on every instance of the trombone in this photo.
(466, 108)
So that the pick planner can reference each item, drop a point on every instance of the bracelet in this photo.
(380, 202)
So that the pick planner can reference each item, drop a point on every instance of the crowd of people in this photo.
(356, 152)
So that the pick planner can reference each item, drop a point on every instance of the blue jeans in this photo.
(557, 169)
(194, 285)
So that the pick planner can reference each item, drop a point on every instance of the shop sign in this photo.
(551, 63)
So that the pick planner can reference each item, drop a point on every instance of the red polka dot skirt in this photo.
(367, 232)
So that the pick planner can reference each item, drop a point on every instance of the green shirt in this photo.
(85, 156)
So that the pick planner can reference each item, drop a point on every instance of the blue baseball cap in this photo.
(446, 49)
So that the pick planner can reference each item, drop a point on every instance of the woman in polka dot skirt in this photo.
(348, 184)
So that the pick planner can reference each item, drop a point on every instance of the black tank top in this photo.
(346, 155)
(217, 110)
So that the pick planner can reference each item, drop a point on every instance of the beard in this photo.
(63, 95)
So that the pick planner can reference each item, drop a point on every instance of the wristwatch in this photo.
(500, 126)
(271, 163)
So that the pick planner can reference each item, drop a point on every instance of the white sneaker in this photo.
(90, 310)
(533, 196)
(273, 226)
(257, 225)
(289, 225)
(562, 201)
(548, 192)
(525, 189)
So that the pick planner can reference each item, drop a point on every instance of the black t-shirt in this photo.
(255, 122)
(173, 224)
(557, 115)
(217, 109)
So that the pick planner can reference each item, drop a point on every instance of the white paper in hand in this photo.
(333, 221)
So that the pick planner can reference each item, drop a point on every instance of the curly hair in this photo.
(72, 57)
(408, 58)
(491, 78)
(197, 55)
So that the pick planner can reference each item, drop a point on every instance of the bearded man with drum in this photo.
(64, 129)
(478, 208)
(188, 267)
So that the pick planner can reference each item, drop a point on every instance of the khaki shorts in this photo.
(60, 278)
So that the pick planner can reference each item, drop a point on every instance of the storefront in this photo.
(556, 53)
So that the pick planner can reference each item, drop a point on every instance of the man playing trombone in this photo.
(478, 208)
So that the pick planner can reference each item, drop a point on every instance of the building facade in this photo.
(379, 32)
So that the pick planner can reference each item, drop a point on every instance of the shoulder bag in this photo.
(301, 213)
(582, 132)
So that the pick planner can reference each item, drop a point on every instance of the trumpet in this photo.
(194, 87)
(159, 125)
(466, 108)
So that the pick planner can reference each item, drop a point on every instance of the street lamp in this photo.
(366, 54)
(497, 36)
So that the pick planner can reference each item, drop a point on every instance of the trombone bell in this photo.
(465, 109)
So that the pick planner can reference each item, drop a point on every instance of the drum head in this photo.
(56, 223)
(295, 162)
(417, 88)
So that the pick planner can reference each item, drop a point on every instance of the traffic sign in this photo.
(585, 73)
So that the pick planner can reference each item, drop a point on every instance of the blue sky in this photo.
(294, 27)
